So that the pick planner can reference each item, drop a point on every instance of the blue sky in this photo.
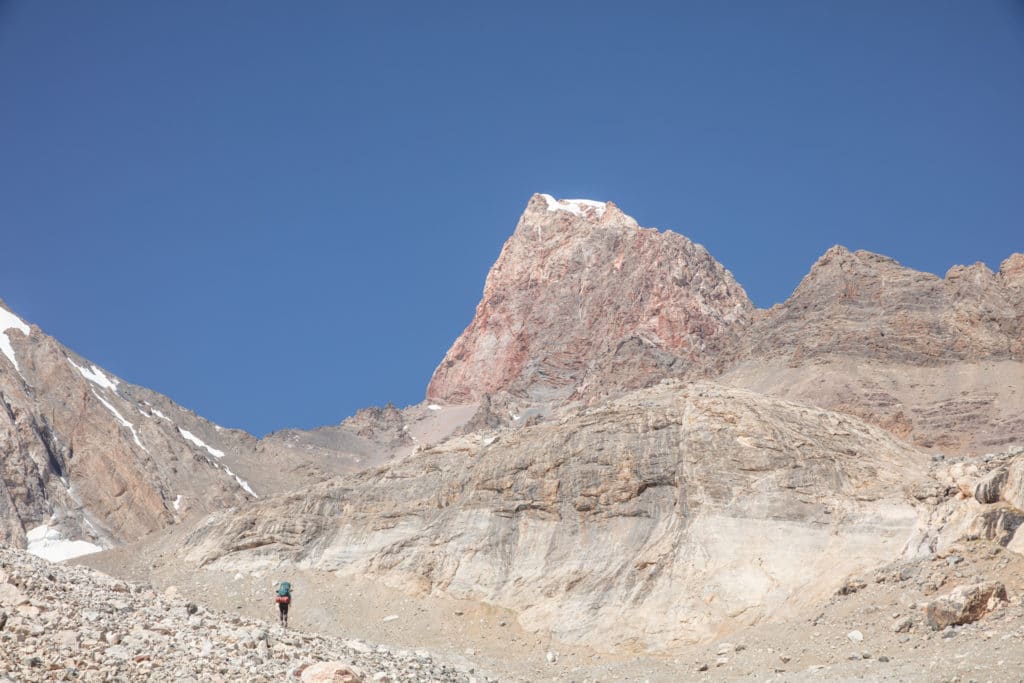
(278, 213)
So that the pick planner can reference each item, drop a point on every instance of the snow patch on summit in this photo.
(574, 206)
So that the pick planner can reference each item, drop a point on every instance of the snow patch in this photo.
(9, 321)
(574, 206)
(199, 442)
(433, 406)
(160, 415)
(48, 544)
(96, 376)
(241, 482)
(177, 503)
(120, 418)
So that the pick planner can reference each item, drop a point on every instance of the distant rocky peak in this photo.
(840, 257)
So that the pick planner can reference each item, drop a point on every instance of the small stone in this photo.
(552, 657)
(903, 625)
(883, 659)
(390, 617)
(855, 636)
(702, 667)
(784, 658)
(359, 646)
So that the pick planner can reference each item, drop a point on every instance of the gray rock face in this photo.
(663, 517)
(583, 301)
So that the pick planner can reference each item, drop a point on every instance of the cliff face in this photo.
(665, 516)
(584, 302)
(937, 361)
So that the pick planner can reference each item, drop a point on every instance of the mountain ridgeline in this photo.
(619, 447)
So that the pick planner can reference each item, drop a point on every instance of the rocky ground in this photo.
(63, 622)
(875, 629)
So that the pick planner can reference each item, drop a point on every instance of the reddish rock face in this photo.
(582, 299)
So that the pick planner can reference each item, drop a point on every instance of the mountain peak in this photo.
(545, 208)
(576, 278)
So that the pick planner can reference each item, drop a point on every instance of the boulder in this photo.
(964, 604)
(1013, 489)
(331, 672)
(989, 487)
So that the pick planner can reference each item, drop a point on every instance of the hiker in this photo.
(283, 599)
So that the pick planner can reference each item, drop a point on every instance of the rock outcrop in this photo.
(584, 302)
(936, 361)
(666, 516)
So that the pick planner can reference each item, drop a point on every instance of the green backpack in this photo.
(284, 589)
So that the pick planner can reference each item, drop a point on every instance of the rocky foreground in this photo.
(62, 622)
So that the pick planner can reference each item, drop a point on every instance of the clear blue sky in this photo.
(277, 213)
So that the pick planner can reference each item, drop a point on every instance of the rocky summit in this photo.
(583, 301)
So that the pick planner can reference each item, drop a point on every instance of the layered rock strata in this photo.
(667, 516)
